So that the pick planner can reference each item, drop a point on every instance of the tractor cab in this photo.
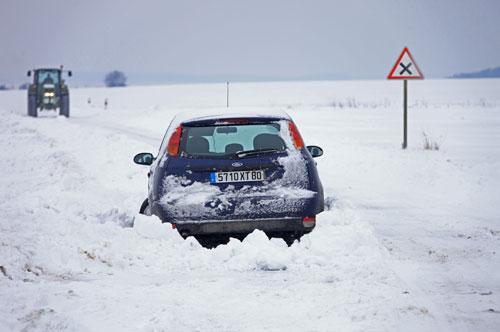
(48, 92)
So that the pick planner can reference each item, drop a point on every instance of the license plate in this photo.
(236, 176)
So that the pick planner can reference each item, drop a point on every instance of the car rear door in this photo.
(235, 171)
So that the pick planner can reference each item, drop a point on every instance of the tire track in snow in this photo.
(120, 129)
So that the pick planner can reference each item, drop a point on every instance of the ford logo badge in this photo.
(237, 164)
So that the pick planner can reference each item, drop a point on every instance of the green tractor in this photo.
(48, 92)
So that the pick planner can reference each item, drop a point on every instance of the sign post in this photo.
(405, 69)
(405, 116)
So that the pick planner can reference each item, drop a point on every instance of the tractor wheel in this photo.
(32, 106)
(64, 108)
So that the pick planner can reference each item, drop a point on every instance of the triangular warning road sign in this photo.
(405, 68)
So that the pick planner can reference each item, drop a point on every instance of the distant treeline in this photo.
(23, 86)
(487, 73)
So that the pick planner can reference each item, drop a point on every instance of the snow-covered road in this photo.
(410, 241)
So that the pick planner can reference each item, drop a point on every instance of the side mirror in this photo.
(315, 151)
(70, 73)
(29, 73)
(144, 158)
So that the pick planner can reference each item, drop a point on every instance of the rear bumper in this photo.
(229, 227)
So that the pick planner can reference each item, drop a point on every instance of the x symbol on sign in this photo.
(405, 68)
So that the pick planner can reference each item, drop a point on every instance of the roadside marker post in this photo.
(227, 94)
(405, 69)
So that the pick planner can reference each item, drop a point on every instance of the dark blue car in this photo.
(224, 176)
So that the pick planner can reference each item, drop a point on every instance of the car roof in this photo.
(209, 116)
(46, 69)
(222, 114)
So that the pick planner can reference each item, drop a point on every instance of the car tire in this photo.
(289, 240)
(145, 208)
(211, 241)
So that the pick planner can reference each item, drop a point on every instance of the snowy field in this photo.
(410, 240)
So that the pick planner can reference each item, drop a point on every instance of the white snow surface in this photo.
(410, 239)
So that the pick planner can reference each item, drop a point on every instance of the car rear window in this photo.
(230, 139)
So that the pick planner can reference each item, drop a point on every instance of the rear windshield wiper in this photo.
(242, 154)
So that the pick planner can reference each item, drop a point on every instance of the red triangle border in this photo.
(391, 74)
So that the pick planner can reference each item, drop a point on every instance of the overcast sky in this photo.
(253, 39)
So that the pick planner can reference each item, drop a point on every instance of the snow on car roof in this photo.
(211, 114)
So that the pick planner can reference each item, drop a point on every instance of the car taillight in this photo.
(309, 221)
(174, 142)
(294, 132)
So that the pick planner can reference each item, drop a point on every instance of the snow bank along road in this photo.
(410, 241)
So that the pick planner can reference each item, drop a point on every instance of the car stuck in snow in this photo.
(221, 176)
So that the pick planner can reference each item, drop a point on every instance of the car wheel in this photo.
(145, 208)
